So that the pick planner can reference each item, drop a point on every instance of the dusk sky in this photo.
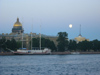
(53, 15)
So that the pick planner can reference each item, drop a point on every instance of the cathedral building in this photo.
(18, 33)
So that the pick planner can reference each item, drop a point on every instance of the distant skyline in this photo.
(53, 15)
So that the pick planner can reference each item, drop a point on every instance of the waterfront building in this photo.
(80, 38)
(18, 32)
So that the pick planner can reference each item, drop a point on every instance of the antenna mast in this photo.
(40, 36)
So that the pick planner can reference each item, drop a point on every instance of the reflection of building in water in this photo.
(80, 38)
(17, 32)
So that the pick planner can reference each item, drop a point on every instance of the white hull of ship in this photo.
(33, 52)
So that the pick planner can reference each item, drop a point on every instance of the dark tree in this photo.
(44, 43)
(35, 42)
(3, 43)
(19, 44)
(84, 45)
(8, 44)
(96, 45)
(72, 45)
(13, 44)
(62, 41)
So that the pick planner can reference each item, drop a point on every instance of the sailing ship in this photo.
(45, 51)
(22, 51)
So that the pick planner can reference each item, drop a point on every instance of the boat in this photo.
(75, 53)
(45, 51)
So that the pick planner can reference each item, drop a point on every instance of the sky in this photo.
(53, 16)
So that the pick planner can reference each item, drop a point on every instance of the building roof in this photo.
(80, 38)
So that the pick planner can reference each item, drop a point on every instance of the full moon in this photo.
(70, 25)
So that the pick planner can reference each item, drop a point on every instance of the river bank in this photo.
(56, 53)
(62, 53)
(6, 53)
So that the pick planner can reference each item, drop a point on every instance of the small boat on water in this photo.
(75, 53)
(45, 51)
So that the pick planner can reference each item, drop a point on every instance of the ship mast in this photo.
(22, 34)
(31, 35)
(40, 36)
(22, 40)
(31, 40)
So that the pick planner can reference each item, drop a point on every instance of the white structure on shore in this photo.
(80, 38)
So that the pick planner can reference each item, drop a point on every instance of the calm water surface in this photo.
(50, 65)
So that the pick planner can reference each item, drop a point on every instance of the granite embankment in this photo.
(6, 53)
(62, 53)
(56, 53)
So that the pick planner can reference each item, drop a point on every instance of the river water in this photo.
(50, 65)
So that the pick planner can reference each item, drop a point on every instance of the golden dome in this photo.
(17, 27)
(17, 23)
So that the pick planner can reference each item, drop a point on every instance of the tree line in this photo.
(63, 44)
(7, 45)
(72, 45)
(45, 43)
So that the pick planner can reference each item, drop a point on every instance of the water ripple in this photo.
(50, 65)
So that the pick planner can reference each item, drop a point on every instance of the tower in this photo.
(80, 31)
(80, 38)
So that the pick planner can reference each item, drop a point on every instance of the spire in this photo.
(80, 31)
(17, 19)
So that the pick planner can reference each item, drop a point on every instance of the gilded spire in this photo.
(80, 31)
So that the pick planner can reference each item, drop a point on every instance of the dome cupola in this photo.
(17, 27)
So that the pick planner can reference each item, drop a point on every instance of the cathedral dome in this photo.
(17, 27)
(17, 23)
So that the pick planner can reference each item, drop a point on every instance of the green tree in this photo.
(44, 43)
(84, 45)
(3, 43)
(13, 44)
(96, 45)
(35, 42)
(8, 44)
(62, 41)
(19, 44)
(72, 45)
